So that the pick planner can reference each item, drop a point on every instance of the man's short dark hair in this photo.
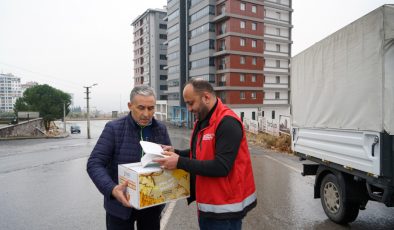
(200, 85)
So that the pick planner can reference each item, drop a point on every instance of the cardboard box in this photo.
(152, 186)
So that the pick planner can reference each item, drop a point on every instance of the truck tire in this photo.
(334, 203)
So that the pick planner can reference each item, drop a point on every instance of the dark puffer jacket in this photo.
(119, 144)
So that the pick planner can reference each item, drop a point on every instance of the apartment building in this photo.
(10, 91)
(277, 54)
(150, 51)
(177, 59)
(242, 47)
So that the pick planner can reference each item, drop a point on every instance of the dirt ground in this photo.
(281, 143)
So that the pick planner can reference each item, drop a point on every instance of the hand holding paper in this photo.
(152, 151)
(168, 162)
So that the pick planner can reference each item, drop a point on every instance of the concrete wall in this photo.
(29, 128)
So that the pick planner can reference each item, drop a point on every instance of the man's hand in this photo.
(169, 162)
(168, 148)
(119, 192)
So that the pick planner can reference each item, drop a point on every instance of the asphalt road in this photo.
(44, 185)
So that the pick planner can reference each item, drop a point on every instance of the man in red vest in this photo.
(218, 160)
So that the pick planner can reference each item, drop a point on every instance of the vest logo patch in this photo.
(208, 137)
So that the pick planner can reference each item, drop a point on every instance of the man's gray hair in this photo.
(143, 90)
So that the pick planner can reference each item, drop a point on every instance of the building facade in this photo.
(27, 85)
(177, 59)
(150, 51)
(10, 91)
(277, 54)
(242, 47)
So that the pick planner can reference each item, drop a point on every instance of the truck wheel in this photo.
(332, 199)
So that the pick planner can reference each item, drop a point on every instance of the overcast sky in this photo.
(69, 44)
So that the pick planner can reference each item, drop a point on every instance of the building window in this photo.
(242, 95)
(254, 9)
(254, 26)
(242, 60)
(277, 63)
(163, 36)
(173, 28)
(222, 29)
(277, 31)
(205, 45)
(163, 77)
(277, 79)
(254, 61)
(223, 78)
(162, 67)
(242, 24)
(273, 114)
(173, 42)
(222, 9)
(277, 48)
(201, 63)
(242, 6)
(163, 57)
(262, 113)
(254, 43)
(242, 42)
(253, 115)
(222, 45)
(278, 15)
(253, 96)
(277, 95)
(162, 26)
(208, 10)
(173, 15)
(253, 78)
(242, 78)
(163, 87)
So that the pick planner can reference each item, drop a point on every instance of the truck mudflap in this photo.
(383, 194)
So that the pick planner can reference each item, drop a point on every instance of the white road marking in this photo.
(167, 214)
(282, 163)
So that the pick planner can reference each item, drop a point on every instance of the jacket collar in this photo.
(134, 124)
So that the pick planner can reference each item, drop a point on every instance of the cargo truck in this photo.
(342, 107)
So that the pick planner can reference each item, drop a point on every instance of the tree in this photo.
(46, 100)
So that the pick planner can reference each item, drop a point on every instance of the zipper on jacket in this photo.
(141, 138)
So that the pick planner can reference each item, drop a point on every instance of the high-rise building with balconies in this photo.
(177, 59)
(10, 91)
(242, 47)
(150, 51)
(277, 53)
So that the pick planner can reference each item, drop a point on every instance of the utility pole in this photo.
(87, 108)
(64, 116)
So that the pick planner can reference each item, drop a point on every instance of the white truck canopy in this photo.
(346, 81)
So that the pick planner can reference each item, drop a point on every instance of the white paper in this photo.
(152, 151)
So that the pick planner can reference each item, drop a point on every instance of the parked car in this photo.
(75, 129)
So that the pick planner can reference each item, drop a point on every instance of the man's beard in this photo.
(201, 115)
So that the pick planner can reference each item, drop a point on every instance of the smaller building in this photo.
(27, 85)
(10, 91)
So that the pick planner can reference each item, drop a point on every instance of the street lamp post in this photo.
(87, 108)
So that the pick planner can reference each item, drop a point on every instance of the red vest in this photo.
(235, 192)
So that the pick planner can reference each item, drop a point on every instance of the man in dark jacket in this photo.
(119, 144)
